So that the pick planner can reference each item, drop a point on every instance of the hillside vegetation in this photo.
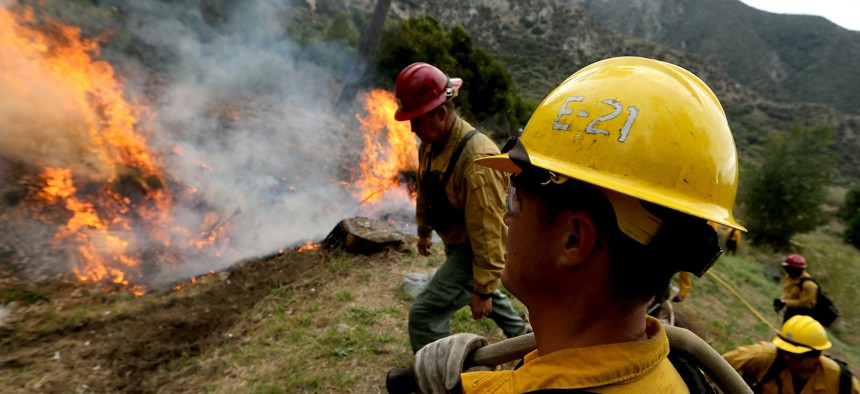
(542, 42)
(315, 322)
(310, 322)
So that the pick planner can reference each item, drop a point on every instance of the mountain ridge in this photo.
(542, 42)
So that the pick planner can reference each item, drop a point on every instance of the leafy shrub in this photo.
(782, 196)
(488, 94)
(850, 213)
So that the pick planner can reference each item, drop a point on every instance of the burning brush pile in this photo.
(94, 186)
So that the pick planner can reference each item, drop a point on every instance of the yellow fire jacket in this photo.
(684, 284)
(756, 359)
(733, 234)
(477, 193)
(630, 367)
(797, 297)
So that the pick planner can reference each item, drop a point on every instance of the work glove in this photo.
(438, 364)
(778, 303)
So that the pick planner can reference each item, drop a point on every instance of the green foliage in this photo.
(342, 28)
(851, 207)
(783, 195)
(488, 94)
(23, 295)
(412, 40)
(852, 232)
(850, 213)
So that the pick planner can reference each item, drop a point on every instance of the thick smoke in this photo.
(235, 114)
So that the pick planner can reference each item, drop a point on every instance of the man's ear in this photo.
(582, 238)
(441, 113)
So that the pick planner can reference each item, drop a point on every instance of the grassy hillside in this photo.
(338, 324)
(716, 313)
(315, 322)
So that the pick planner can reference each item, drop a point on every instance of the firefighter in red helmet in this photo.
(462, 202)
(800, 292)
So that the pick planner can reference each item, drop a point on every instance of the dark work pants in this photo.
(448, 291)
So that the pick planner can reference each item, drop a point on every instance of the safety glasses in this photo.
(804, 356)
(513, 201)
(536, 181)
(532, 179)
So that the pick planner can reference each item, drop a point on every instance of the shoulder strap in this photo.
(456, 157)
(692, 375)
(810, 279)
(772, 373)
(844, 375)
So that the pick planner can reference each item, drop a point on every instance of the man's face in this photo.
(803, 364)
(793, 272)
(429, 127)
(528, 249)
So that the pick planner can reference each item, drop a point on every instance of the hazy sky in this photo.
(845, 13)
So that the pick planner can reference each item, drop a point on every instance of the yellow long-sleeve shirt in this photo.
(796, 296)
(733, 234)
(684, 284)
(477, 193)
(630, 367)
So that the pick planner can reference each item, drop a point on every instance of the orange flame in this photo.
(62, 57)
(100, 223)
(308, 246)
(389, 149)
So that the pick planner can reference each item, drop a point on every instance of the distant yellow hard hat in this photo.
(801, 334)
(639, 127)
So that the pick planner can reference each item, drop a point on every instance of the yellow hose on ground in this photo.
(744, 301)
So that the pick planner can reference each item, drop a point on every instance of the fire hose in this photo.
(402, 381)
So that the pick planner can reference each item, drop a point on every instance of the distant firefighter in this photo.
(733, 238)
(798, 294)
(793, 361)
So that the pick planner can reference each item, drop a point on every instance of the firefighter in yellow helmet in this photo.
(459, 200)
(793, 363)
(614, 180)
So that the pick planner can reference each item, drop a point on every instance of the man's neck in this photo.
(439, 146)
(588, 324)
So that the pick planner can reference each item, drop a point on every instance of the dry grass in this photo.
(342, 333)
(341, 326)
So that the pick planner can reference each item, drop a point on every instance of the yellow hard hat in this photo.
(639, 127)
(801, 334)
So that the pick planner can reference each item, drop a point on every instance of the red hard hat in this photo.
(420, 88)
(794, 260)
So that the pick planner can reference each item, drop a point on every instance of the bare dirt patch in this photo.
(107, 343)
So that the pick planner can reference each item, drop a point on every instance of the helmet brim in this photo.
(791, 348)
(501, 162)
(456, 83)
